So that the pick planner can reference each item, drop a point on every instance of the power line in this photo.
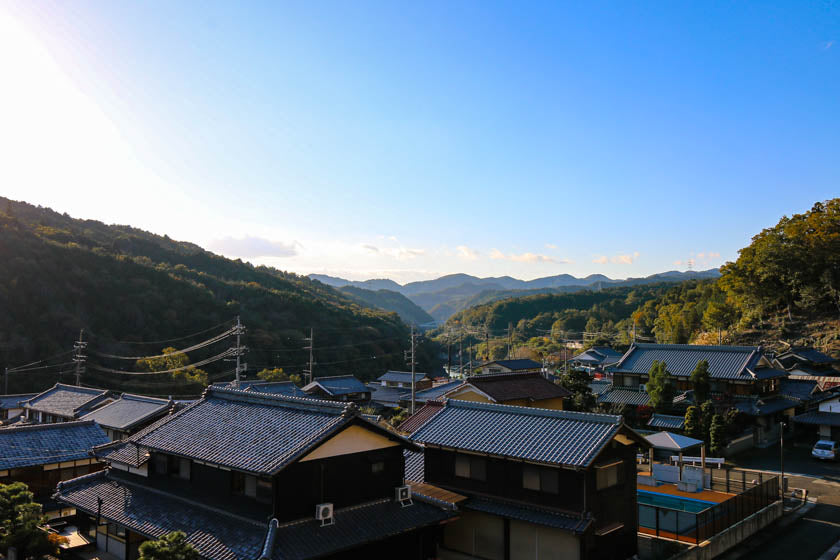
(202, 344)
(216, 358)
(95, 336)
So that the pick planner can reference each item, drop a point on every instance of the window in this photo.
(540, 479)
(629, 381)
(251, 486)
(378, 467)
(608, 475)
(467, 466)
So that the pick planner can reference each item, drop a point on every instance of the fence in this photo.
(697, 526)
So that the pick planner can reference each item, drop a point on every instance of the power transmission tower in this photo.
(411, 359)
(239, 351)
(311, 340)
(78, 357)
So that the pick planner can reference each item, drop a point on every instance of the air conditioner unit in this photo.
(642, 387)
(403, 495)
(324, 514)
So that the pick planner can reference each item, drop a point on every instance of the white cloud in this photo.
(496, 254)
(467, 253)
(678, 263)
(251, 247)
(526, 257)
(617, 259)
(601, 260)
(551, 246)
(827, 45)
(371, 248)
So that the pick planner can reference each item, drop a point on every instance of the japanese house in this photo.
(432, 393)
(540, 483)
(824, 422)
(63, 403)
(338, 388)
(597, 358)
(249, 475)
(510, 366)
(128, 414)
(42, 455)
(520, 389)
(402, 380)
(11, 407)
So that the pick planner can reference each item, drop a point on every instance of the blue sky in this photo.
(410, 140)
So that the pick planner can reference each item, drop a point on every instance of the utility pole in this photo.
(470, 367)
(78, 357)
(460, 354)
(449, 354)
(510, 332)
(6, 383)
(782, 459)
(311, 371)
(240, 350)
(411, 358)
(487, 342)
(634, 331)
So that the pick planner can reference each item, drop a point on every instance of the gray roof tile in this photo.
(66, 400)
(624, 396)
(529, 513)
(401, 376)
(546, 436)
(337, 385)
(725, 362)
(41, 444)
(14, 401)
(128, 411)
(666, 421)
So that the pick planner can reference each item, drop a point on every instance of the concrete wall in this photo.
(736, 534)
(738, 445)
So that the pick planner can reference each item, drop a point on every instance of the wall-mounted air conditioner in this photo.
(403, 495)
(324, 514)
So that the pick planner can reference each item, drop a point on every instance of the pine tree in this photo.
(173, 546)
(707, 413)
(660, 387)
(693, 423)
(700, 381)
(717, 435)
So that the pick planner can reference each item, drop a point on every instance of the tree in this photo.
(577, 382)
(717, 435)
(21, 521)
(660, 387)
(173, 546)
(694, 423)
(707, 413)
(700, 381)
(718, 316)
(172, 359)
(277, 374)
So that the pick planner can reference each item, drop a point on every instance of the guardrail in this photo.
(719, 461)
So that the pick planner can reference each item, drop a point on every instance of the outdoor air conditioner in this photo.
(324, 514)
(403, 495)
(642, 387)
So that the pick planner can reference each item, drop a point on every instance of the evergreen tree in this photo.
(717, 435)
(694, 423)
(577, 382)
(707, 413)
(173, 546)
(20, 523)
(660, 387)
(700, 381)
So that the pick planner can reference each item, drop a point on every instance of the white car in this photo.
(826, 450)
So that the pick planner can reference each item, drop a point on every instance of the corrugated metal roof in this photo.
(529, 513)
(541, 435)
(42, 444)
(667, 422)
(337, 385)
(128, 411)
(66, 400)
(625, 396)
(725, 362)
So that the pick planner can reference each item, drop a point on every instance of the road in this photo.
(814, 532)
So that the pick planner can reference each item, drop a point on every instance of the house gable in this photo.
(353, 439)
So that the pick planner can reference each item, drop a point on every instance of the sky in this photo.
(408, 140)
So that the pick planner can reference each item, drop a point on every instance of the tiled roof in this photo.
(764, 406)
(402, 376)
(515, 365)
(667, 440)
(14, 401)
(535, 434)
(337, 385)
(819, 418)
(767, 373)
(216, 534)
(248, 431)
(433, 392)
(808, 354)
(415, 465)
(598, 355)
(529, 513)
(667, 422)
(42, 444)
(503, 387)
(600, 387)
(66, 400)
(128, 411)
(421, 416)
(725, 362)
(273, 387)
(798, 389)
(625, 396)
(387, 396)
(354, 526)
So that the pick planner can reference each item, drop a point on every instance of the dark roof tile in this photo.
(41, 444)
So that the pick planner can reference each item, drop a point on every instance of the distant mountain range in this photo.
(449, 294)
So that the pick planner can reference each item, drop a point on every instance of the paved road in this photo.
(797, 460)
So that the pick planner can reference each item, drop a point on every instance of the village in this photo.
(489, 465)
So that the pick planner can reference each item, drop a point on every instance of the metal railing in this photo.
(696, 527)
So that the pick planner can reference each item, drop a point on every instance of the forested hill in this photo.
(389, 301)
(60, 275)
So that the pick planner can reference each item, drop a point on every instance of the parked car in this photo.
(826, 450)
